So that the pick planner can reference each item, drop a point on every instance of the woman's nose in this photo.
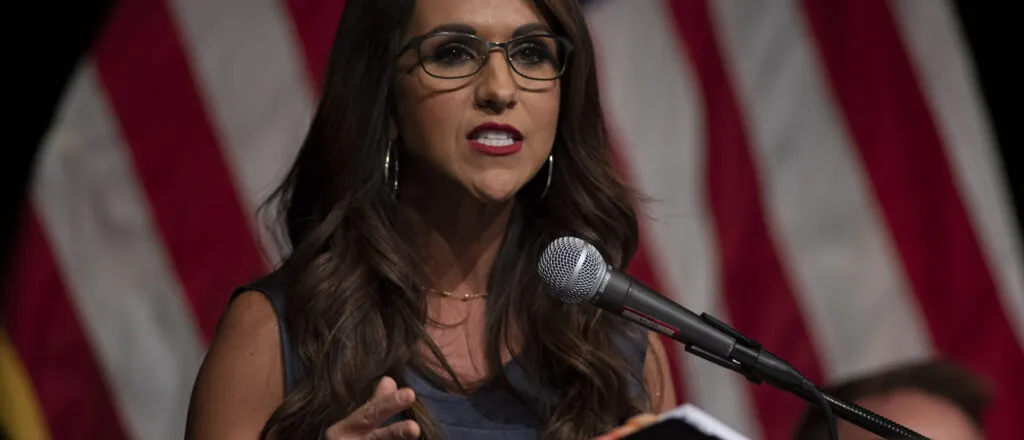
(496, 88)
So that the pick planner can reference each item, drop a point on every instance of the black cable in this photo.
(823, 404)
(871, 421)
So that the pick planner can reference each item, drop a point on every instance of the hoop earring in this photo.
(551, 171)
(387, 169)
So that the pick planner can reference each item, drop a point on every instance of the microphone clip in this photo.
(743, 369)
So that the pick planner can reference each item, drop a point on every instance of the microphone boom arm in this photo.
(766, 367)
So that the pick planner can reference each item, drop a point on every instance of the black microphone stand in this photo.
(758, 365)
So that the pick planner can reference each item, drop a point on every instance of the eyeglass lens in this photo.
(537, 57)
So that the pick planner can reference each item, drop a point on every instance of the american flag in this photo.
(823, 174)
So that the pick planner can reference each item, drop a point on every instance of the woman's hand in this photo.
(364, 423)
(632, 425)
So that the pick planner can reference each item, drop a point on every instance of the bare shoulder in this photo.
(658, 376)
(241, 381)
(250, 311)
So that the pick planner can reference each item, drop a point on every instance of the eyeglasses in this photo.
(453, 55)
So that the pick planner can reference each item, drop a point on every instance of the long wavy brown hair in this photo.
(352, 272)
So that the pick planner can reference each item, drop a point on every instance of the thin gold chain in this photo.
(450, 294)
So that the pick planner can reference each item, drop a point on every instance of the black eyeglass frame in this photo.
(416, 43)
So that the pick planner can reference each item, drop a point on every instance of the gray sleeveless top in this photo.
(489, 413)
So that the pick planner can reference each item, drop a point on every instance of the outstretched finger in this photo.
(404, 430)
(385, 403)
(386, 386)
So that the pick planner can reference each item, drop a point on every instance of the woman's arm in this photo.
(241, 381)
(662, 394)
(658, 376)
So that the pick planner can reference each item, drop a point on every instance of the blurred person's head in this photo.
(937, 399)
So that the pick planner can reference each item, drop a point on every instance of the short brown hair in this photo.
(939, 378)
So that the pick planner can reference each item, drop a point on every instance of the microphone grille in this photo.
(572, 269)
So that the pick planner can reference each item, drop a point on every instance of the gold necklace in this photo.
(450, 294)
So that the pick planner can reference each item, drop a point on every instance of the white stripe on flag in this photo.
(649, 96)
(940, 57)
(819, 202)
(251, 75)
(118, 276)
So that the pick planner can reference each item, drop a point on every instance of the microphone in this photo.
(575, 272)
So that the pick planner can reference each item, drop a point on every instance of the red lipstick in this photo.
(495, 139)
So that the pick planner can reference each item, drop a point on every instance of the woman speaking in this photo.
(453, 141)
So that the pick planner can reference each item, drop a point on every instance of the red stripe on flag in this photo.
(903, 153)
(315, 23)
(51, 343)
(758, 295)
(142, 65)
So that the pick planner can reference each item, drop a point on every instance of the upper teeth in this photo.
(495, 138)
